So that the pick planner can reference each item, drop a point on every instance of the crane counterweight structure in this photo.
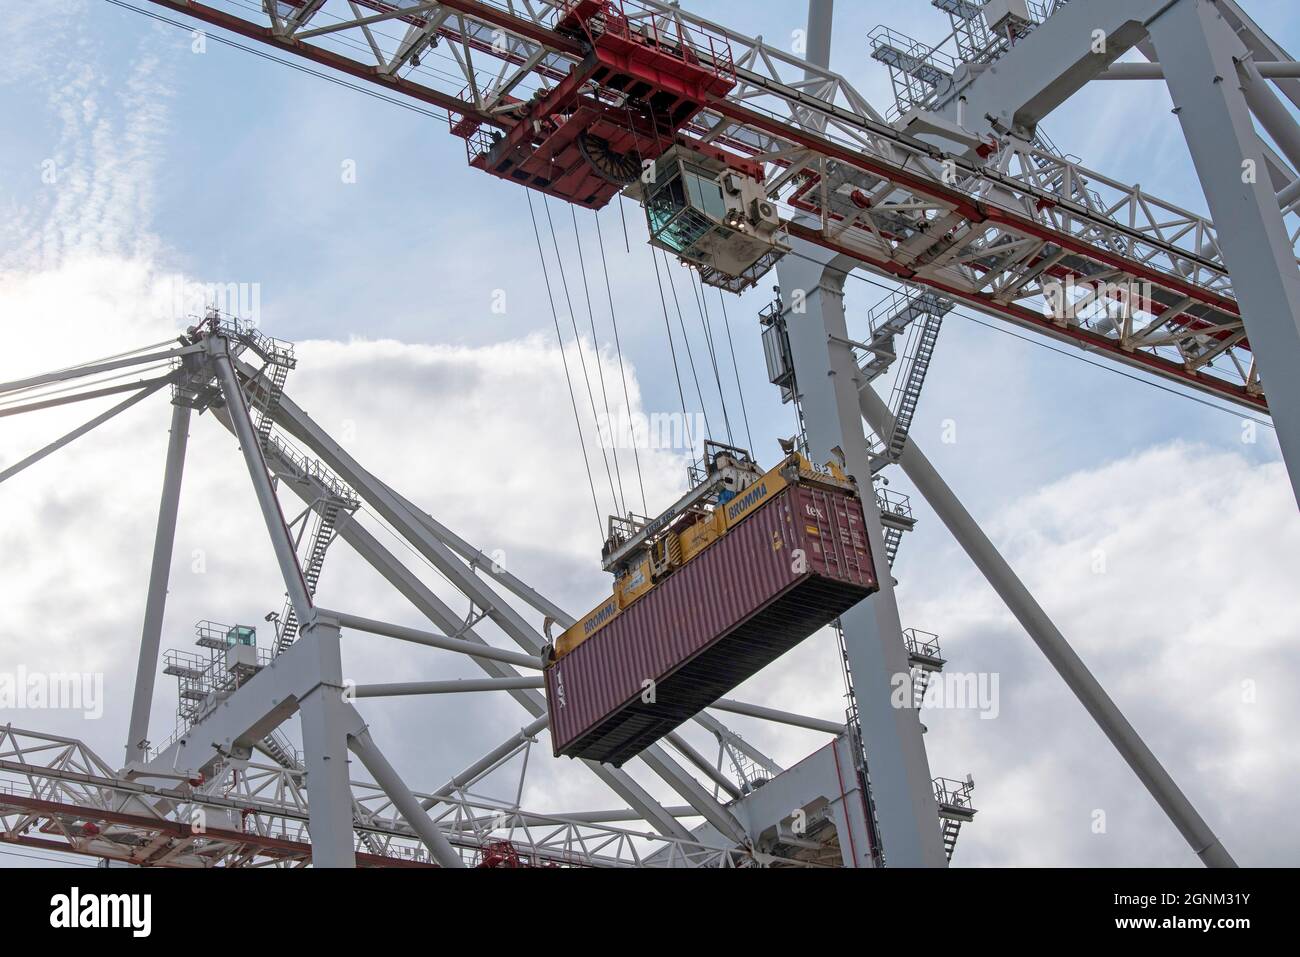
(747, 159)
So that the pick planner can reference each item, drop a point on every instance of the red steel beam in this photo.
(1021, 316)
(975, 211)
(328, 58)
(273, 846)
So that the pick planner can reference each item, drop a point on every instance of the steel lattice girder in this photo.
(56, 794)
(1004, 229)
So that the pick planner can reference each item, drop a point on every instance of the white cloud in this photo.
(98, 178)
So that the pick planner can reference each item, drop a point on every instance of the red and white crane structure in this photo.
(958, 197)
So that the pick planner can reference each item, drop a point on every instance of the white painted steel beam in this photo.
(452, 686)
(402, 632)
(1200, 54)
(1049, 640)
(326, 721)
(137, 739)
(775, 714)
(79, 431)
(1289, 69)
(827, 378)
(688, 751)
(387, 778)
(281, 540)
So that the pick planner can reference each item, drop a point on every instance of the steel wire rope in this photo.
(663, 301)
(621, 501)
(690, 355)
(735, 367)
(672, 349)
(577, 341)
(697, 289)
(555, 317)
(618, 345)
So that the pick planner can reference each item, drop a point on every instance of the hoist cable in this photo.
(555, 317)
(702, 307)
(690, 355)
(582, 355)
(677, 372)
(622, 369)
(735, 367)
(621, 503)
(623, 216)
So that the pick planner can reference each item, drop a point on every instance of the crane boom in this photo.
(1007, 227)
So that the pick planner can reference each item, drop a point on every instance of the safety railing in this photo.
(954, 794)
(307, 467)
(669, 33)
(896, 503)
(923, 643)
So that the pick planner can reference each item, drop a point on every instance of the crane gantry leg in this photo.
(812, 291)
(1200, 55)
(137, 739)
(323, 717)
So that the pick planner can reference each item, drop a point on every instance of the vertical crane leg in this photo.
(137, 739)
(325, 720)
(812, 289)
(1051, 642)
(1197, 50)
(820, 17)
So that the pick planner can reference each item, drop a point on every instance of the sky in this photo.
(1159, 532)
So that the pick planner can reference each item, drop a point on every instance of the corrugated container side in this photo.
(789, 568)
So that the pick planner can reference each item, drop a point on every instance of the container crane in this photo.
(585, 100)
(991, 222)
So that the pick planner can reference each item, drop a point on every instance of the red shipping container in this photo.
(789, 568)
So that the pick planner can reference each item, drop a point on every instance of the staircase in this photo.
(893, 538)
(268, 400)
(333, 497)
(327, 514)
(277, 747)
(951, 828)
(955, 808)
(279, 360)
(907, 390)
(890, 318)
